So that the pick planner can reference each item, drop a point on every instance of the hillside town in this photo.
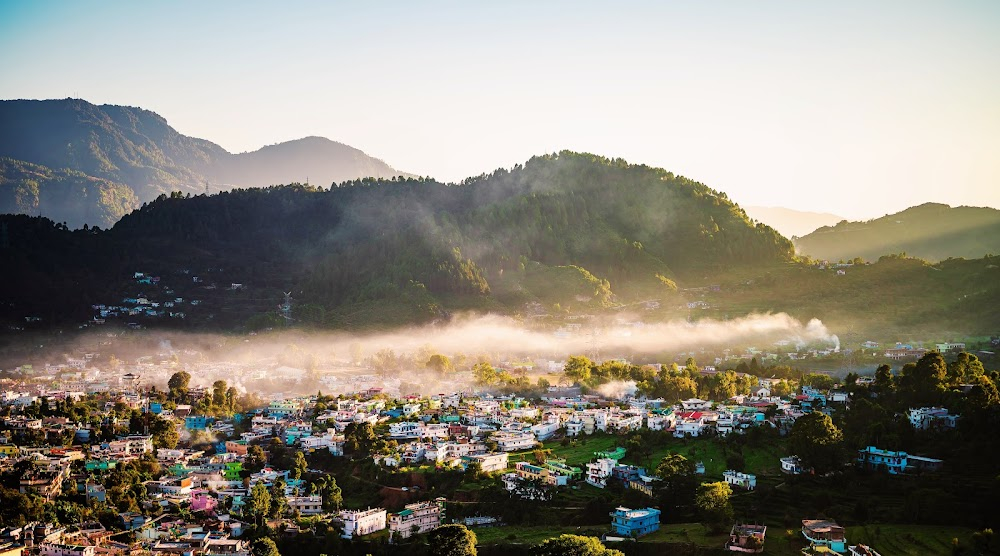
(127, 465)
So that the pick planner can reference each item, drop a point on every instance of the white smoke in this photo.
(617, 389)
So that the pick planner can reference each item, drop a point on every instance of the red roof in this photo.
(695, 415)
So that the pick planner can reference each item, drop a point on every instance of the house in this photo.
(635, 523)
(745, 481)
(417, 518)
(950, 346)
(690, 423)
(202, 501)
(57, 549)
(96, 492)
(932, 418)
(862, 550)
(488, 463)
(897, 354)
(196, 422)
(514, 441)
(827, 534)
(895, 462)
(643, 484)
(792, 465)
(362, 522)
(306, 505)
(760, 392)
(746, 538)
(531, 472)
(694, 404)
(599, 471)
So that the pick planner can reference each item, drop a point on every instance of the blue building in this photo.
(635, 523)
(823, 533)
(155, 408)
(197, 422)
(895, 462)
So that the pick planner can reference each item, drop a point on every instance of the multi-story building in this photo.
(531, 472)
(488, 463)
(895, 462)
(362, 522)
(634, 523)
(824, 533)
(599, 471)
(928, 418)
(56, 549)
(514, 441)
(746, 538)
(417, 518)
(306, 505)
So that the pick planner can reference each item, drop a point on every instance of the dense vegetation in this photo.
(930, 231)
(568, 229)
(66, 196)
(135, 148)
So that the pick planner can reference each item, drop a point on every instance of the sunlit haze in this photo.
(855, 108)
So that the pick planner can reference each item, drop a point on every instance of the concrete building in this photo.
(56, 549)
(824, 533)
(599, 471)
(306, 505)
(635, 523)
(362, 522)
(417, 518)
(745, 481)
(489, 463)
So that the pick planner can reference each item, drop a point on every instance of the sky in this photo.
(858, 108)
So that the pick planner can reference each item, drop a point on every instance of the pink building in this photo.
(202, 501)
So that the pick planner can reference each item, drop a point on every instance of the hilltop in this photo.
(120, 147)
(564, 232)
(790, 222)
(931, 231)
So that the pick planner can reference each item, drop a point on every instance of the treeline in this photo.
(670, 382)
(412, 241)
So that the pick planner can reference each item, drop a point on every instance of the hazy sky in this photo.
(852, 107)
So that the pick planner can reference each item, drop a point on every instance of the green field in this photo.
(760, 460)
(888, 540)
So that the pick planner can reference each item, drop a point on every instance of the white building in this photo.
(362, 522)
(792, 465)
(489, 463)
(694, 404)
(544, 431)
(514, 441)
(925, 418)
(417, 518)
(306, 505)
(745, 481)
(658, 422)
(56, 549)
(599, 471)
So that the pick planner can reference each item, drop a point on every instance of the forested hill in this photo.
(136, 148)
(930, 231)
(568, 230)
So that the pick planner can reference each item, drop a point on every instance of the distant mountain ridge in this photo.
(931, 231)
(137, 148)
(791, 222)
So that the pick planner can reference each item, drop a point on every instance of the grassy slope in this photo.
(888, 539)
(891, 299)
